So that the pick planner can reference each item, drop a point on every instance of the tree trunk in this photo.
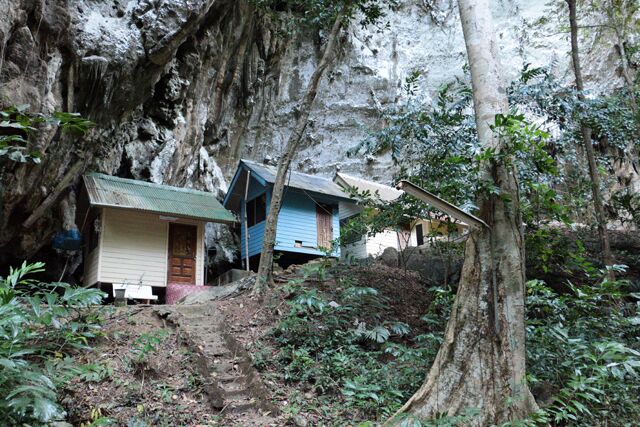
(624, 62)
(481, 363)
(629, 157)
(585, 131)
(304, 109)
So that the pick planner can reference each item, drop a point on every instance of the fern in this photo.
(37, 320)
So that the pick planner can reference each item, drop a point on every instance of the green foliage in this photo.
(166, 392)
(583, 355)
(549, 249)
(94, 372)
(626, 206)
(378, 215)
(465, 417)
(347, 349)
(147, 343)
(97, 419)
(17, 124)
(611, 118)
(583, 349)
(39, 323)
(309, 301)
(320, 14)
(320, 269)
(435, 145)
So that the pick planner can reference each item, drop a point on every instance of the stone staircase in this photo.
(230, 381)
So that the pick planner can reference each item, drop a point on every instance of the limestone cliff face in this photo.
(181, 89)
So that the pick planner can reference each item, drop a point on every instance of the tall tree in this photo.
(317, 12)
(585, 134)
(621, 19)
(481, 363)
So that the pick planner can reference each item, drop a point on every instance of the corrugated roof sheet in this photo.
(299, 180)
(385, 192)
(111, 191)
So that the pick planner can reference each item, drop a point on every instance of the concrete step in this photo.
(239, 404)
(224, 379)
(225, 367)
(256, 418)
(236, 394)
(232, 385)
(217, 350)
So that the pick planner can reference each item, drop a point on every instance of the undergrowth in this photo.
(345, 348)
(584, 352)
(359, 364)
(39, 325)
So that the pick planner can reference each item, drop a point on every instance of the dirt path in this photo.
(232, 384)
(167, 366)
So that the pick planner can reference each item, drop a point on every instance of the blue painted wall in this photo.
(256, 232)
(297, 221)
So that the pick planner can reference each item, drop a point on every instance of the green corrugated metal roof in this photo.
(111, 191)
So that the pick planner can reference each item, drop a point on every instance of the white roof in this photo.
(384, 192)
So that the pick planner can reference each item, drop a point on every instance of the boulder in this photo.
(213, 293)
(388, 257)
(434, 268)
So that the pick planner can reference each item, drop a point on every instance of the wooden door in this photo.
(324, 217)
(182, 254)
(419, 235)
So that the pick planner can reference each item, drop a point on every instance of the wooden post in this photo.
(246, 223)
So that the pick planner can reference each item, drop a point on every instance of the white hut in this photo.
(414, 233)
(144, 236)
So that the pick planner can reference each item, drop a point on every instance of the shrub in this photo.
(39, 323)
(347, 349)
(583, 349)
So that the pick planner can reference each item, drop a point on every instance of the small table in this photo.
(136, 291)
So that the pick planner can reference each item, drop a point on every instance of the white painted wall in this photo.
(375, 245)
(372, 245)
(427, 226)
(378, 243)
(134, 248)
(357, 250)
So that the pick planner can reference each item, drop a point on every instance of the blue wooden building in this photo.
(309, 219)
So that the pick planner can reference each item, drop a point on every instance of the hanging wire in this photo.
(321, 205)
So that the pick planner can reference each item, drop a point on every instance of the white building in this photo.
(414, 234)
(144, 234)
